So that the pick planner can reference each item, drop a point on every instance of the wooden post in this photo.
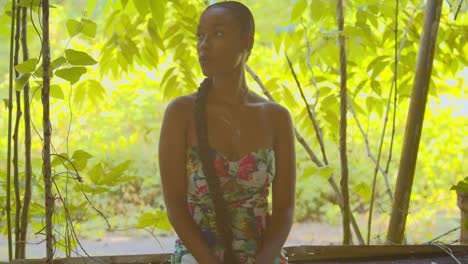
(462, 202)
(414, 123)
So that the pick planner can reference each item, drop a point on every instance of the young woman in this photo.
(220, 149)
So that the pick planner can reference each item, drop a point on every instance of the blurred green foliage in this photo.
(116, 64)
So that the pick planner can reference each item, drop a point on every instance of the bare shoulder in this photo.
(277, 110)
(277, 114)
(178, 108)
(281, 119)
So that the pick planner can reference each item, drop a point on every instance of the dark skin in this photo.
(237, 125)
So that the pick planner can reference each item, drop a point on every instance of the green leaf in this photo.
(175, 41)
(332, 118)
(162, 221)
(309, 171)
(73, 27)
(142, 6)
(462, 186)
(318, 9)
(56, 91)
(171, 31)
(158, 9)
(5, 101)
(80, 159)
(81, 154)
(38, 72)
(37, 92)
(324, 90)
(370, 103)
(93, 188)
(154, 34)
(146, 219)
(158, 219)
(57, 160)
(57, 62)
(298, 9)
(288, 97)
(357, 107)
(330, 103)
(171, 87)
(27, 66)
(89, 27)
(96, 173)
(379, 67)
(169, 72)
(76, 57)
(86, 26)
(375, 85)
(376, 61)
(90, 88)
(72, 74)
(325, 171)
(361, 17)
(124, 3)
(7, 8)
(113, 176)
(21, 81)
(363, 190)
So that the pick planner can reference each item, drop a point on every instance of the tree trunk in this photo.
(27, 144)
(343, 124)
(46, 169)
(414, 124)
(16, 136)
(10, 114)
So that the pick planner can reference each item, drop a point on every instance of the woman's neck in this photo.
(228, 89)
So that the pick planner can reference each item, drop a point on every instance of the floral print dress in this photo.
(245, 184)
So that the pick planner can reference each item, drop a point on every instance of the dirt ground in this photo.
(138, 241)
(141, 242)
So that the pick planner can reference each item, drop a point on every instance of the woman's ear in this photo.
(246, 54)
(250, 43)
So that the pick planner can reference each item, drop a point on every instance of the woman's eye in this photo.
(199, 36)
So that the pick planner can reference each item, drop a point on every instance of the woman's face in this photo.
(219, 42)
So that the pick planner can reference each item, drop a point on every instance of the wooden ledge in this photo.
(308, 254)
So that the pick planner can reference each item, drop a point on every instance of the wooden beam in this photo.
(305, 254)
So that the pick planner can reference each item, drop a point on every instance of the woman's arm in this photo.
(172, 158)
(283, 189)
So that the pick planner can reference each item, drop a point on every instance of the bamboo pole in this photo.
(414, 123)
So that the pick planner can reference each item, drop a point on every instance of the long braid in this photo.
(222, 219)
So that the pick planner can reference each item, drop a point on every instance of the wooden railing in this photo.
(440, 254)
